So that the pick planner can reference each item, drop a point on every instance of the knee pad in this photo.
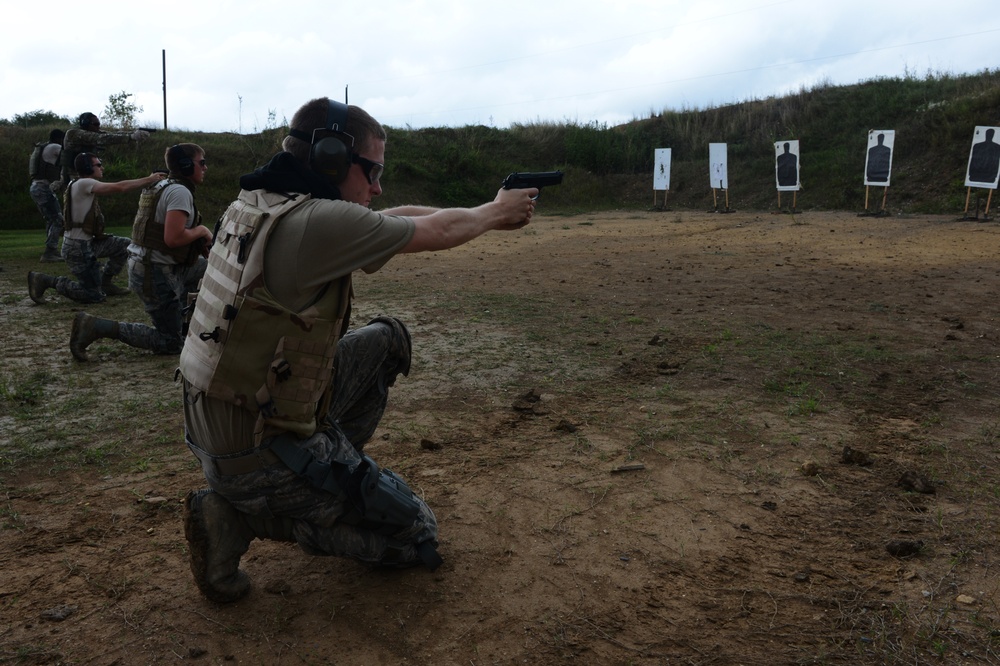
(386, 504)
(389, 506)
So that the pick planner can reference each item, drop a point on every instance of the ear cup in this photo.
(331, 157)
(85, 165)
(331, 152)
(184, 163)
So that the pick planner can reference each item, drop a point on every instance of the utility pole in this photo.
(164, 89)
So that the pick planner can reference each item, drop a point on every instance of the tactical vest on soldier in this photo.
(93, 221)
(246, 348)
(38, 168)
(148, 233)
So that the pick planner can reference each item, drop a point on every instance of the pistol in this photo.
(526, 179)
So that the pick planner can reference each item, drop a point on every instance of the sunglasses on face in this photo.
(373, 170)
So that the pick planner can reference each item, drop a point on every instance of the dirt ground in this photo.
(669, 437)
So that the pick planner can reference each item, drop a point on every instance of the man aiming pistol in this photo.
(525, 179)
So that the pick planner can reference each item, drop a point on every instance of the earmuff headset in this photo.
(86, 120)
(184, 163)
(332, 148)
(85, 164)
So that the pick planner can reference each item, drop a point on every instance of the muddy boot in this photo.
(86, 329)
(37, 284)
(51, 256)
(111, 289)
(217, 536)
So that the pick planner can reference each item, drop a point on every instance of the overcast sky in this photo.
(243, 65)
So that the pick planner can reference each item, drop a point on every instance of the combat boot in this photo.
(86, 329)
(37, 284)
(51, 256)
(111, 289)
(217, 536)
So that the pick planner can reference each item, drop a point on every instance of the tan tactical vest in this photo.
(92, 222)
(243, 346)
(148, 233)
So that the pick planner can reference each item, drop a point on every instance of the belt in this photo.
(231, 466)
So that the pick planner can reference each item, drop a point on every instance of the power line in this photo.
(705, 76)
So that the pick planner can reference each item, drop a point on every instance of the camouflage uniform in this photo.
(48, 205)
(164, 303)
(82, 260)
(160, 281)
(248, 462)
(44, 177)
(84, 242)
(86, 141)
(367, 366)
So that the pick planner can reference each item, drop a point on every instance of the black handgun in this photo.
(526, 179)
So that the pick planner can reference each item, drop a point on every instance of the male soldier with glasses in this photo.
(166, 260)
(84, 241)
(279, 398)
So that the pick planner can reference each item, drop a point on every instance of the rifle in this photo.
(526, 179)
(146, 129)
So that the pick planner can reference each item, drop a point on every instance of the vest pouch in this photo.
(281, 368)
(297, 379)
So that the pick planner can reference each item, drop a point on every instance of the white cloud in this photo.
(230, 65)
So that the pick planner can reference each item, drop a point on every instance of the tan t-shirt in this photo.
(82, 198)
(315, 244)
(321, 241)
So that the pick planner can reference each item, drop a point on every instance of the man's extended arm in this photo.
(450, 227)
(127, 185)
(410, 211)
(76, 139)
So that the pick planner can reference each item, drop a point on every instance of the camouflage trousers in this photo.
(163, 290)
(48, 206)
(81, 258)
(368, 362)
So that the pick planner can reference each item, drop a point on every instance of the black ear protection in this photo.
(85, 166)
(184, 163)
(332, 148)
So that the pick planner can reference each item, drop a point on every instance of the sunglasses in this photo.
(373, 170)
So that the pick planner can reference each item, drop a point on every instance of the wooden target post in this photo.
(655, 197)
(794, 198)
(715, 201)
(881, 211)
(986, 213)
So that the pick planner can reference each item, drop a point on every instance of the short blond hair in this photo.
(177, 152)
